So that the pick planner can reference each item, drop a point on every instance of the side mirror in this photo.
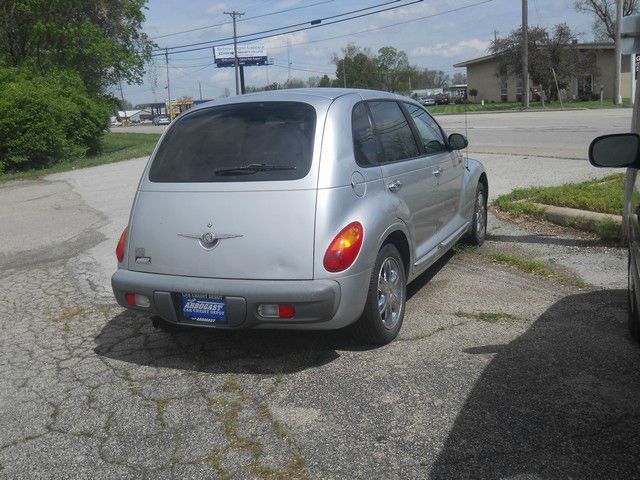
(620, 150)
(458, 141)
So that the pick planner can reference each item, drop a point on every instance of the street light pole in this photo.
(617, 98)
(169, 109)
(525, 54)
(234, 15)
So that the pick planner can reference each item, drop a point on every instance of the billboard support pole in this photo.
(242, 90)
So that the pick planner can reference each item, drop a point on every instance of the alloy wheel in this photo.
(390, 293)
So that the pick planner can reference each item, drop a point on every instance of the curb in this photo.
(572, 217)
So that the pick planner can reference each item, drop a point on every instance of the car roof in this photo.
(312, 95)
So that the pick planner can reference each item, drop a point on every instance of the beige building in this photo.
(482, 75)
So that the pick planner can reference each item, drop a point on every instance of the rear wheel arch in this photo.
(400, 241)
(485, 181)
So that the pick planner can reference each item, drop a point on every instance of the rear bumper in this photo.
(316, 302)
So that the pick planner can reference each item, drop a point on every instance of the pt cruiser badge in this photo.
(210, 240)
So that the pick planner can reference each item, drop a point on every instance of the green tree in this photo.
(394, 68)
(358, 67)
(459, 78)
(325, 81)
(101, 40)
(47, 119)
(547, 54)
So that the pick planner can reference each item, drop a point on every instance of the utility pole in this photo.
(200, 88)
(617, 98)
(234, 15)
(525, 53)
(169, 109)
(289, 60)
(123, 105)
(344, 71)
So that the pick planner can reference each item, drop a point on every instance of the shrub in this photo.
(46, 119)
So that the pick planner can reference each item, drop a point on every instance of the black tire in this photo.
(478, 229)
(374, 328)
(633, 318)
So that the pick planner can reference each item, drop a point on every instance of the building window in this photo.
(504, 89)
(519, 84)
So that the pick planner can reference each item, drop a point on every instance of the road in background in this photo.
(560, 134)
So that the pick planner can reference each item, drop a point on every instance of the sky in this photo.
(438, 41)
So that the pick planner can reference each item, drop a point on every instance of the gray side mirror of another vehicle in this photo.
(620, 150)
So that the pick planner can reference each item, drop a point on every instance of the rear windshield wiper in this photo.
(252, 168)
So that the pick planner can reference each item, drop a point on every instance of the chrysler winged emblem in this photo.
(209, 239)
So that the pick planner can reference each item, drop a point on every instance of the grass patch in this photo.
(603, 195)
(490, 317)
(464, 248)
(517, 106)
(526, 265)
(294, 470)
(116, 147)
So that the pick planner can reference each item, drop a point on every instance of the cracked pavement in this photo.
(546, 389)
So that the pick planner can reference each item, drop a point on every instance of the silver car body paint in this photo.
(278, 231)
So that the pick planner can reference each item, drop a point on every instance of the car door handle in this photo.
(437, 171)
(395, 186)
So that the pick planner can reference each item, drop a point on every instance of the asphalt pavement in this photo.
(496, 374)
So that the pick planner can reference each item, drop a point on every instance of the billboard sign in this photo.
(248, 54)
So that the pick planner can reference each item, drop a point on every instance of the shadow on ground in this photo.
(560, 401)
(130, 337)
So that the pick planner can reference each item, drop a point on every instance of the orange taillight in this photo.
(120, 246)
(344, 249)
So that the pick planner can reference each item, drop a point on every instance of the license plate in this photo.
(204, 307)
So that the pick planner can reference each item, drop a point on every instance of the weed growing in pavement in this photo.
(490, 317)
(526, 265)
(464, 248)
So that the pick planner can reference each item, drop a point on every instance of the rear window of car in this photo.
(245, 142)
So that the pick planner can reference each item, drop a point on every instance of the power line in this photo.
(243, 20)
(376, 29)
(313, 24)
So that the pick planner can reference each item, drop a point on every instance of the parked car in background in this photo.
(161, 120)
(427, 101)
(622, 151)
(242, 220)
(442, 99)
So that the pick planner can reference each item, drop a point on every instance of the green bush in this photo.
(47, 119)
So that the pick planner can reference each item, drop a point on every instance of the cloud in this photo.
(279, 43)
(407, 13)
(218, 9)
(448, 50)
(223, 75)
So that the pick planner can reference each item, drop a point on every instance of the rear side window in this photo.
(364, 140)
(395, 135)
(428, 129)
(246, 142)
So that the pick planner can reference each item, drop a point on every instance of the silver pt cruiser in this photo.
(298, 209)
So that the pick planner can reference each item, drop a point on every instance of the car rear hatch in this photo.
(231, 193)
